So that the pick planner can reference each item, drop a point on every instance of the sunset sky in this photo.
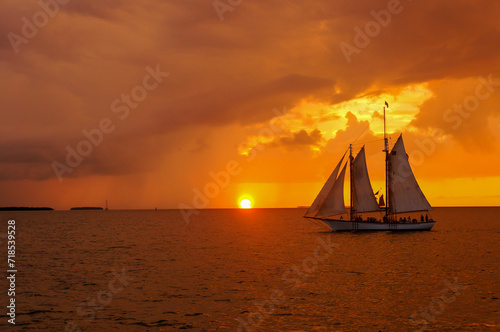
(269, 92)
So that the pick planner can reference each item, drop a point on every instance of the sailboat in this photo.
(403, 195)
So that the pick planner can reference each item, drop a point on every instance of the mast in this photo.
(351, 217)
(386, 150)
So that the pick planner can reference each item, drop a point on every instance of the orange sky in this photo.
(258, 100)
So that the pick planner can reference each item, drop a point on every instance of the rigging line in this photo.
(429, 213)
(368, 126)
(319, 223)
(377, 140)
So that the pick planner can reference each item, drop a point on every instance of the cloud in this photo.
(232, 74)
(377, 115)
(463, 109)
(293, 140)
(302, 138)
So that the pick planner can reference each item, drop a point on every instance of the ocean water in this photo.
(249, 270)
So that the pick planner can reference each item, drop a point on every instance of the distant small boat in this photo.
(86, 208)
(403, 195)
(106, 208)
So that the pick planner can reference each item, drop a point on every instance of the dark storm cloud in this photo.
(297, 139)
(264, 55)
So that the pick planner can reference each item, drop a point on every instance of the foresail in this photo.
(327, 187)
(334, 201)
(405, 194)
(363, 199)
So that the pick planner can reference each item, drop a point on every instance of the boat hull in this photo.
(338, 225)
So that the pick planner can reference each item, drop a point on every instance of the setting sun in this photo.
(245, 204)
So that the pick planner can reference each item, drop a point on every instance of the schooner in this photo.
(402, 193)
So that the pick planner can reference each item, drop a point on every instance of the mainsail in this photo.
(404, 193)
(334, 201)
(327, 187)
(363, 199)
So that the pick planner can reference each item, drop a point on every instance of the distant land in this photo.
(24, 208)
(86, 208)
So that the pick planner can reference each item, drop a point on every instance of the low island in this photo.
(24, 208)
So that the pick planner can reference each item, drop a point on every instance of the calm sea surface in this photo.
(249, 270)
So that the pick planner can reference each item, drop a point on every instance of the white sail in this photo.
(334, 201)
(404, 193)
(327, 187)
(363, 199)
